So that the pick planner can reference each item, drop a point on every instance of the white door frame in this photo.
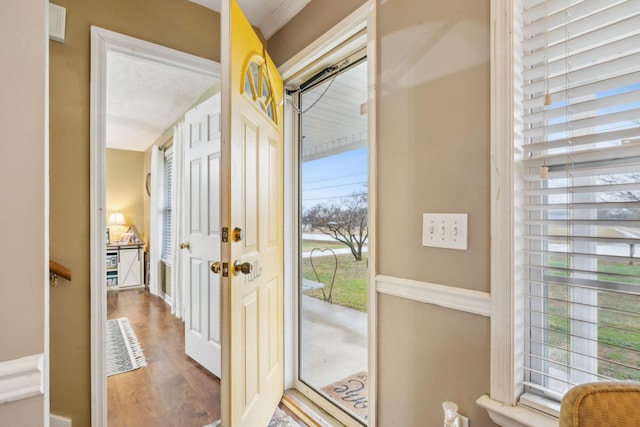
(344, 36)
(103, 41)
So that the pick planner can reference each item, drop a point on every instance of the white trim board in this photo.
(350, 26)
(460, 299)
(515, 416)
(21, 378)
(58, 421)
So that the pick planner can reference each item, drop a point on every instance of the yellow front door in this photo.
(252, 211)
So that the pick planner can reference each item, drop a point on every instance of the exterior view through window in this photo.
(581, 103)
(334, 238)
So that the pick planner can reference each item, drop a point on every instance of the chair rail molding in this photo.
(21, 378)
(460, 299)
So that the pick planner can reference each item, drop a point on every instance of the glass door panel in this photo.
(334, 238)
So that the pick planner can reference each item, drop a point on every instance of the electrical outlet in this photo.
(443, 230)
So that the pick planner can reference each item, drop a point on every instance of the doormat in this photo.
(351, 393)
(279, 419)
(123, 349)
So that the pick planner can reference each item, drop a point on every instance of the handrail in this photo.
(59, 270)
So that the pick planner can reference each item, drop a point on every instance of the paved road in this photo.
(325, 238)
(317, 236)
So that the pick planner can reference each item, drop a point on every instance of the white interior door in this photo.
(202, 217)
(252, 209)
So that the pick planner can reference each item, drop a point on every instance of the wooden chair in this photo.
(601, 404)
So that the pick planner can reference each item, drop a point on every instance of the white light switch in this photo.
(444, 230)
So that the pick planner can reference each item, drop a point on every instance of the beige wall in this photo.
(429, 354)
(315, 19)
(433, 128)
(125, 179)
(165, 279)
(23, 220)
(180, 25)
(433, 156)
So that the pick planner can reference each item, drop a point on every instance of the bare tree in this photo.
(345, 222)
(627, 190)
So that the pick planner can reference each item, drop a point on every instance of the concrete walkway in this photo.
(334, 342)
(334, 338)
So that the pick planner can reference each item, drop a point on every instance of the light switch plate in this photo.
(444, 230)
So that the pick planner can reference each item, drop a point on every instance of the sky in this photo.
(329, 179)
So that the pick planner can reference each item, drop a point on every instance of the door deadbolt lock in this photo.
(215, 267)
(238, 234)
(242, 267)
(185, 245)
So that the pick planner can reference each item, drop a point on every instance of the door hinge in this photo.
(225, 269)
(225, 234)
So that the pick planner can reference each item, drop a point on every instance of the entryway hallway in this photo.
(172, 390)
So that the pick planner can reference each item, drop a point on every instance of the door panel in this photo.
(252, 186)
(250, 350)
(202, 163)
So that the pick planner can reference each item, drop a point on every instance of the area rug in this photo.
(279, 419)
(123, 349)
(351, 393)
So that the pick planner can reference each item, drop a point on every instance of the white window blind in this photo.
(580, 103)
(167, 200)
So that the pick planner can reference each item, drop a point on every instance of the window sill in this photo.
(515, 416)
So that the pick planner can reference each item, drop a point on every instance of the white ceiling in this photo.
(268, 15)
(145, 98)
(334, 119)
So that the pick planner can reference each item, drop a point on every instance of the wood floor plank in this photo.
(172, 390)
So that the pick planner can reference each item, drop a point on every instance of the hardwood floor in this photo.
(172, 390)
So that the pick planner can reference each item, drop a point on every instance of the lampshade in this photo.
(116, 218)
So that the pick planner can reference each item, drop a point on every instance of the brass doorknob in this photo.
(238, 234)
(215, 267)
(242, 267)
(185, 245)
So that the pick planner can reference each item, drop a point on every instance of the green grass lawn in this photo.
(350, 285)
(618, 315)
(618, 323)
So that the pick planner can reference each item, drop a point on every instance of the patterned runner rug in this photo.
(123, 349)
(279, 419)
(351, 393)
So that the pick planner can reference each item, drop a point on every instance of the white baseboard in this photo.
(21, 378)
(58, 421)
(460, 299)
(166, 298)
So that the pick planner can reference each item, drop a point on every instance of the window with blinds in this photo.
(580, 143)
(167, 201)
